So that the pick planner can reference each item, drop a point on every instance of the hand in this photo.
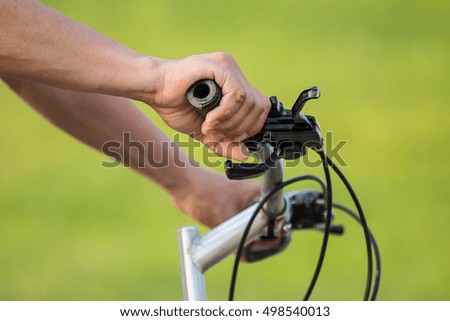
(241, 113)
(212, 198)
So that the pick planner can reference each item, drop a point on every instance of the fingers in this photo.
(225, 133)
(241, 113)
(245, 124)
(237, 114)
(231, 103)
(225, 147)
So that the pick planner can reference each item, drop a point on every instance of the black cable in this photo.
(328, 196)
(327, 191)
(376, 285)
(364, 226)
(255, 213)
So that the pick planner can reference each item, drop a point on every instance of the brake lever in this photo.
(238, 171)
(305, 95)
(289, 132)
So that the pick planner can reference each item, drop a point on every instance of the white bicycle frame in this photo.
(199, 253)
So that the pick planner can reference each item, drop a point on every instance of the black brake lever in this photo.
(305, 95)
(289, 132)
(238, 171)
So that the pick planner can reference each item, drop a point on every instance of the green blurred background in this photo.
(72, 230)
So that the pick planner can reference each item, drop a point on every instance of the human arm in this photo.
(97, 119)
(40, 44)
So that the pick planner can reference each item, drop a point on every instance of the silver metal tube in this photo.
(272, 177)
(192, 278)
(198, 254)
(225, 238)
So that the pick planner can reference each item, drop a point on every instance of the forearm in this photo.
(97, 119)
(39, 44)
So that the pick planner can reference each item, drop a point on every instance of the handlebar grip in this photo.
(204, 95)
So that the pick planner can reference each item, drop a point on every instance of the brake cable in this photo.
(364, 225)
(326, 233)
(376, 284)
(252, 219)
(290, 132)
(327, 192)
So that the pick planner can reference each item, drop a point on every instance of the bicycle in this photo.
(285, 135)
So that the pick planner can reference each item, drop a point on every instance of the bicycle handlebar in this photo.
(204, 95)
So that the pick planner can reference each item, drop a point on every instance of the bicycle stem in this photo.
(275, 206)
(199, 253)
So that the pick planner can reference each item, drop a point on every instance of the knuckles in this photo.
(239, 97)
(222, 57)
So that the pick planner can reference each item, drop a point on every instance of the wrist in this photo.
(185, 181)
(149, 78)
(195, 183)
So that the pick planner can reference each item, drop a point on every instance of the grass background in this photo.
(72, 230)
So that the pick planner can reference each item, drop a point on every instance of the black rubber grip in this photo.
(204, 95)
